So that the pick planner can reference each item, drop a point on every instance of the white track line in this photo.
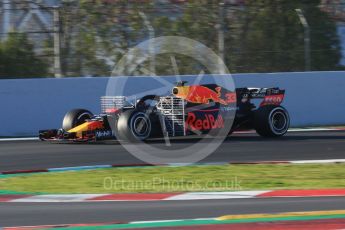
(295, 130)
(215, 195)
(314, 129)
(318, 161)
(58, 198)
(20, 139)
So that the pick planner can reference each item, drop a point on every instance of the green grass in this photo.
(180, 179)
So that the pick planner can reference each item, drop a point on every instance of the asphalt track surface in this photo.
(19, 155)
(26, 214)
(26, 155)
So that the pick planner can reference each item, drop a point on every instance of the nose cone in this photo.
(175, 91)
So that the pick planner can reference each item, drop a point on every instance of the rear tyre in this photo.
(133, 125)
(271, 121)
(75, 117)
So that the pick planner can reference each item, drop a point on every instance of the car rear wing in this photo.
(271, 96)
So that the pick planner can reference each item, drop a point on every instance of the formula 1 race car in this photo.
(189, 110)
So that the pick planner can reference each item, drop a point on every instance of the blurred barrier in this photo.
(33, 104)
(27, 105)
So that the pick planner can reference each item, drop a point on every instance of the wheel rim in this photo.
(82, 118)
(141, 126)
(279, 121)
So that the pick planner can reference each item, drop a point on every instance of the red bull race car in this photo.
(188, 110)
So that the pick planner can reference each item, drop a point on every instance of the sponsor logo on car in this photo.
(206, 121)
(273, 100)
(104, 134)
(199, 94)
(229, 108)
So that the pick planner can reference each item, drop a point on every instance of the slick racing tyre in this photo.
(133, 125)
(75, 117)
(271, 121)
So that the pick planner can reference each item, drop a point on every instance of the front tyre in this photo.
(271, 121)
(75, 117)
(133, 125)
